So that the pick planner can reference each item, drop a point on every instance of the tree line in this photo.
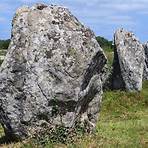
(4, 44)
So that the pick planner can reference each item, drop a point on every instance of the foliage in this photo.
(4, 44)
(3, 49)
(105, 44)
(55, 135)
(110, 57)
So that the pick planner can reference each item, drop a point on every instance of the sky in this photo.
(102, 16)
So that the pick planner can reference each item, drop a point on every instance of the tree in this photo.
(104, 43)
(4, 44)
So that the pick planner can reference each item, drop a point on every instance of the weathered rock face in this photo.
(128, 61)
(145, 73)
(53, 71)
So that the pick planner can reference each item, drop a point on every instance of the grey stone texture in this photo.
(145, 73)
(128, 61)
(53, 72)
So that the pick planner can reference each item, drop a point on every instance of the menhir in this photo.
(145, 73)
(52, 72)
(128, 61)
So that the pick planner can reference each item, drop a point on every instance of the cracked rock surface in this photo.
(128, 61)
(145, 74)
(53, 71)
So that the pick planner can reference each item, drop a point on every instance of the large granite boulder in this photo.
(128, 61)
(52, 72)
(145, 73)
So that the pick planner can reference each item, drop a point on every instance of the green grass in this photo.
(3, 51)
(124, 119)
(109, 56)
(1, 132)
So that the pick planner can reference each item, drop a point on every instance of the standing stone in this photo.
(145, 73)
(52, 72)
(128, 61)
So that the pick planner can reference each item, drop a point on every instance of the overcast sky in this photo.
(102, 16)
